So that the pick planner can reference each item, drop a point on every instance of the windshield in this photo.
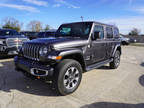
(8, 32)
(41, 34)
(47, 34)
(81, 30)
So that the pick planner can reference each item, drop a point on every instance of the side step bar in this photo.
(97, 65)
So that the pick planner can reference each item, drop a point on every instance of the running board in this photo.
(97, 65)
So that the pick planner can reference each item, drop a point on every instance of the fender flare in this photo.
(116, 47)
(70, 52)
(77, 53)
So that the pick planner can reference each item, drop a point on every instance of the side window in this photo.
(100, 29)
(116, 32)
(109, 32)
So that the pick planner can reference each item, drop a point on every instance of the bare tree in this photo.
(134, 32)
(11, 23)
(35, 26)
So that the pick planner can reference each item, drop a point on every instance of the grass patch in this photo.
(137, 44)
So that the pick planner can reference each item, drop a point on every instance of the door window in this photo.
(116, 32)
(109, 32)
(100, 29)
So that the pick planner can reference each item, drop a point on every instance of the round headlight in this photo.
(43, 51)
(1, 41)
(22, 48)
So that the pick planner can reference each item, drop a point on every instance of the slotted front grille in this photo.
(31, 51)
(12, 42)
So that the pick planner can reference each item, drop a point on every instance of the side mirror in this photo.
(96, 36)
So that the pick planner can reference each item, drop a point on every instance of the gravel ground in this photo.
(100, 88)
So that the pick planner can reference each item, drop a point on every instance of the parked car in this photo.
(30, 35)
(46, 34)
(132, 40)
(77, 47)
(10, 42)
(124, 40)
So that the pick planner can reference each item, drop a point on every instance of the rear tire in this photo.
(68, 75)
(116, 60)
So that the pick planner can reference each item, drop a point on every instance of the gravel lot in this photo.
(100, 88)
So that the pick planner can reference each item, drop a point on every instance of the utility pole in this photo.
(82, 18)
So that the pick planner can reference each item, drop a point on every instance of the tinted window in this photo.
(47, 34)
(116, 32)
(109, 32)
(41, 34)
(8, 32)
(100, 29)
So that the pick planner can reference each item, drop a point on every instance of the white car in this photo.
(124, 40)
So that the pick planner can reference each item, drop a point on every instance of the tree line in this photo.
(34, 26)
(134, 32)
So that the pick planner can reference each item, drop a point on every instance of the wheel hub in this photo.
(71, 77)
(117, 59)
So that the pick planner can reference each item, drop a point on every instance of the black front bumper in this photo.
(26, 65)
(4, 50)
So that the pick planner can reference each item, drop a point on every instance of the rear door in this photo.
(109, 41)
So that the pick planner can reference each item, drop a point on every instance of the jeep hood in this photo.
(62, 42)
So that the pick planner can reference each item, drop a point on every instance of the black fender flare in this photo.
(118, 46)
(78, 53)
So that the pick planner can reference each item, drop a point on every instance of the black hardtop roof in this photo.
(91, 22)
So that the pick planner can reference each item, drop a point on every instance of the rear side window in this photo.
(109, 32)
(116, 32)
(100, 29)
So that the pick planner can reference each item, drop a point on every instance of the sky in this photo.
(126, 14)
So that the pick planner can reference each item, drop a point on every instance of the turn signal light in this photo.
(58, 57)
(55, 57)
(38, 77)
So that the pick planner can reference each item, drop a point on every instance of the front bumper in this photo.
(33, 67)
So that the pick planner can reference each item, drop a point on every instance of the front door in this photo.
(99, 50)
(96, 50)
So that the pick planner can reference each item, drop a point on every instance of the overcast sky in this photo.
(126, 14)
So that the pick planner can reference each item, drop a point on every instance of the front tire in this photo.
(68, 75)
(116, 60)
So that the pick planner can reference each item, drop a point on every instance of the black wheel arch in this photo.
(117, 47)
(75, 55)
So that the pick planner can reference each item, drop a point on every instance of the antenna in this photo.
(82, 18)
